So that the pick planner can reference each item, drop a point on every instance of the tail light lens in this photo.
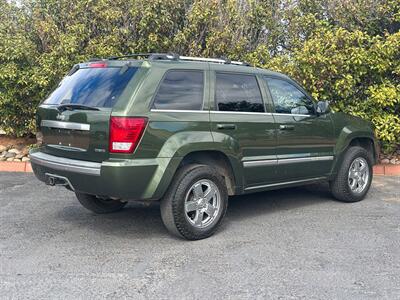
(98, 65)
(125, 133)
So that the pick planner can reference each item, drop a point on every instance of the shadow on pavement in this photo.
(247, 206)
(137, 220)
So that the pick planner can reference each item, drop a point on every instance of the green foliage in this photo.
(357, 73)
(347, 52)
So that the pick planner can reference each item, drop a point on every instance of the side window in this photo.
(237, 92)
(180, 90)
(288, 99)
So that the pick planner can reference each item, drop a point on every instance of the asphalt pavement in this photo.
(285, 244)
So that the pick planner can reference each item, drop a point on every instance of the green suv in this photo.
(190, 132)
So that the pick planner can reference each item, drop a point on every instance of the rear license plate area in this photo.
(67, 138)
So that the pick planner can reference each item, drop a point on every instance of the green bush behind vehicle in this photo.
(349, 55)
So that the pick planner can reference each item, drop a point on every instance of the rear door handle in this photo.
(226, 126)
(286, 127)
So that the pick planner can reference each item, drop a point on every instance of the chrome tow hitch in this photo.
(53, 180)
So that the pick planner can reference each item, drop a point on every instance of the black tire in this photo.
(98, 205)
(339, 185)
(173, 203)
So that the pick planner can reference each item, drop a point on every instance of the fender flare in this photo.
(178, 146)
(346, 136)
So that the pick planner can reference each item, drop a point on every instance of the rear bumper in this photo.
(65, 164)
(129, 179)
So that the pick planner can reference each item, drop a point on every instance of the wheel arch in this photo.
(348, 139)
(365, 142)
(219, 161)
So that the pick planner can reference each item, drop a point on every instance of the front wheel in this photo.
(354, 176)
(195, 203)
(99, 205)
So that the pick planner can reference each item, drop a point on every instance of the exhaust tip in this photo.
(57, 180)
(52, 181)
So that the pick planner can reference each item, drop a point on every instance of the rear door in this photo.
(240, 121)
(305, 140)
(74, 119)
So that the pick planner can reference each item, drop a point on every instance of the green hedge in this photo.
(348, 54)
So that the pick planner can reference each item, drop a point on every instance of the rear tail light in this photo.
(125, 133)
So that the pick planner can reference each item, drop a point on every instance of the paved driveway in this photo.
(293, 243)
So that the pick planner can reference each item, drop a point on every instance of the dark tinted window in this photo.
(97, 87)
(182, 90)
(288, 99)
(236, 92)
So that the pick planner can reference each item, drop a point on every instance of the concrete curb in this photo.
(388, 170)
(12, 166)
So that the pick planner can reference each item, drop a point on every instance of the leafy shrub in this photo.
(357, 73)
(347, 54)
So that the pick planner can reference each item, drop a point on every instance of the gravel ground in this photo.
(289, 244)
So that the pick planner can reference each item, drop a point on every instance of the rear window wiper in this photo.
(70, 106)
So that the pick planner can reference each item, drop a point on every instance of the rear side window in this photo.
(238, 92)
(96, 87)
(180, 90)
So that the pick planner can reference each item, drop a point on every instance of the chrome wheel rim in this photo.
(358, 175)
(202, 203)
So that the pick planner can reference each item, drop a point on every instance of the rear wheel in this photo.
(99, 205)
(195, 203)
(354, 176)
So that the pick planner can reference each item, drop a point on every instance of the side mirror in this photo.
(299, 110)
(323, 107)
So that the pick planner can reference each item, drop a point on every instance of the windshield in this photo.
(95, 87)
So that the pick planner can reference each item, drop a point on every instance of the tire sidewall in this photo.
(184, 227)
(354, 155)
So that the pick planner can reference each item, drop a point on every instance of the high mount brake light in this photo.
(125, 133)
(98, 65)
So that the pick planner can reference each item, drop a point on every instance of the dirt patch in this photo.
(16, 142)
(391, 158)
(15, 149)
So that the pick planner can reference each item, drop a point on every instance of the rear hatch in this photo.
(75, 119)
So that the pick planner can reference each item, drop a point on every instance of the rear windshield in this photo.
(96, 87)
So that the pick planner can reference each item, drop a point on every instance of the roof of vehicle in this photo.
(177, 61)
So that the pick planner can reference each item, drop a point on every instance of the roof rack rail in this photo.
(221, 60)
(152, 56)
(174, 56)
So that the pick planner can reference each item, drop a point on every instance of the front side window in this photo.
(180, 90)
(238, 92)
(288, 99)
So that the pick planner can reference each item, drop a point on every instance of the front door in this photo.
(240, 121)
(305, 140)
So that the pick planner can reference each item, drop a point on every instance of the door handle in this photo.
(226, 126)
(286, 127)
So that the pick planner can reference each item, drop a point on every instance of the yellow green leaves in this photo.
(385, 95)
(339, 51)
(357, 73)
(387, 128)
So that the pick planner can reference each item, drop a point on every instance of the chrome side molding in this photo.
(260, 163)
(304, 159)
(284, 183)
(178, 111)
(283, 161)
